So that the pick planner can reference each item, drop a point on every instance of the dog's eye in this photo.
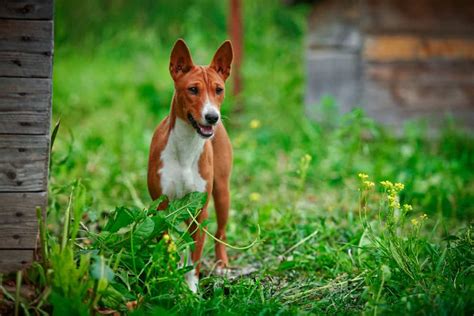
(219, 90)
(193, 90)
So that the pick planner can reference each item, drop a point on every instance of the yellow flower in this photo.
(407, 207)
(254, 196)
(369, 184)
(399, 186)
(386, 184)
(172, 247)
(307, 158)
(166, 237)
(363, 176)
(254, 124)
(423, 217)
(414, 221)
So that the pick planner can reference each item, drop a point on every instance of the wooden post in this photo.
(235, 31)
(26, 50)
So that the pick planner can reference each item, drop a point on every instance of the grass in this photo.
(328, 240)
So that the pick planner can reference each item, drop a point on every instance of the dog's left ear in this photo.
(223, 59)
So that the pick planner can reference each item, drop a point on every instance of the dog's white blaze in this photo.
(180, 172)
(209, 108)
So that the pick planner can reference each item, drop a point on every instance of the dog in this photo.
(190, 150)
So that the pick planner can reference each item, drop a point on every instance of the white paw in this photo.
(192, 280)
(220, 271)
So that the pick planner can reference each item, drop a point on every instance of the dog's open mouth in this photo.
(205, 131)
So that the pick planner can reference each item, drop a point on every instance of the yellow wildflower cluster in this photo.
(389, 186)
(171, 244)
(366, 184)
(171, 247)
(393, 189)
(399, 186)
(419, 220)
(386, 184)
(407, 207)
(393, 201)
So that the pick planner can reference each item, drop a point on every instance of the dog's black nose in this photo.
(212, 117)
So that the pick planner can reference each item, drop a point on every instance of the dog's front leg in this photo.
(199, 237)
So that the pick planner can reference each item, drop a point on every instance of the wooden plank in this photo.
(24, 122)
(25, 94)
(421, 86)
(390, 48)
(14, 260)
(427, 72)
(15, 64)
(335, 24)
(438, 17)
(26, 36)
(25, 106)
(18, 219)
(397, 92)
(332, 73)
(27, 9)
(23, 163)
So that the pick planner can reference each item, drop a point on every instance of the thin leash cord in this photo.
(221, 241)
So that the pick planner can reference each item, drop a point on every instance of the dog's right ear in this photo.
(180, 60)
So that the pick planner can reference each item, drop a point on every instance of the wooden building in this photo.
(397, 59)
(26, 52)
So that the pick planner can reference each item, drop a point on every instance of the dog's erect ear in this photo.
(180, 59)
(223, 59)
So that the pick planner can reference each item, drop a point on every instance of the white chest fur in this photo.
(180, 158)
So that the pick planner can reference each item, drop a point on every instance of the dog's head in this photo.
(200, 90)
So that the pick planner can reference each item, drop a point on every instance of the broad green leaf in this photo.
(161, 224)
(121, 217)
(100, 270)
(192, 202)
(144, 230)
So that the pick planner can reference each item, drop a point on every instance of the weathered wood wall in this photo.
(26, 52)
(397, 59)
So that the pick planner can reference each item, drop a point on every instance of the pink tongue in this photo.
(206, 129)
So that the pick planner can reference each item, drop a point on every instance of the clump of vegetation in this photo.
(133, 264)
(414, 271)
(130, 263)
(324, 246)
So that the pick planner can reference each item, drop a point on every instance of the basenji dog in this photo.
(190, 150)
